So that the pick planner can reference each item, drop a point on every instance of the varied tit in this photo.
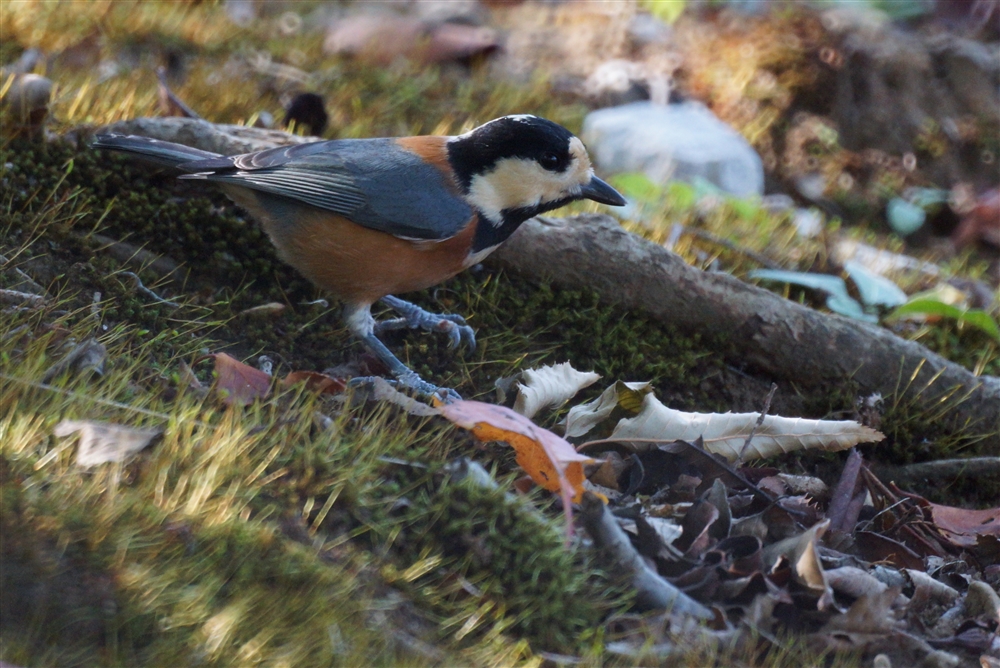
(366, 219)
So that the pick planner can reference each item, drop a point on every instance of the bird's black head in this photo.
(516, 167)
(523, 136)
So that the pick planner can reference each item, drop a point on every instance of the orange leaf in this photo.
(549, 459)
(242, 383)
(319, 383)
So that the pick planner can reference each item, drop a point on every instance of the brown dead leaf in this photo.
(964, 527)
(982, 223)
(240, 383)
(381, 38)
(878, 548)
(550, 460)
(320, 383)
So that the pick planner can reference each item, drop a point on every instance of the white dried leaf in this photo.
(581, 419)
(549, 387)
(668, 530)
(725, 433)
(102, 442)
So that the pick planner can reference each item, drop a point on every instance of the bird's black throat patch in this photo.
(489, 235)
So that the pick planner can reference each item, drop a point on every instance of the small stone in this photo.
(683, 141)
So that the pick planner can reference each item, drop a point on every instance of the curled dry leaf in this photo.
(550, 387)
(102, 442)
(807, 570)
(548, 459)
(725, 433)
(583, 418)
(928, 590)
(856, 583)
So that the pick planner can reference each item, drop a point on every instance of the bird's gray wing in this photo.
(373, 182)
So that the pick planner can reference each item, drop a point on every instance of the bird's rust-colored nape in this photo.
(434, 151)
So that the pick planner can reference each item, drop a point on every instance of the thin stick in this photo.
(760, 420)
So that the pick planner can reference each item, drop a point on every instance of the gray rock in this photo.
(678, 141)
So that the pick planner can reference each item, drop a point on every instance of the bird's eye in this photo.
(550, 161)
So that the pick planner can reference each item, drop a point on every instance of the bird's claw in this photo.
(415, 317)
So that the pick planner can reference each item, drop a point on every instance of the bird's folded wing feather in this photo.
(373, 182)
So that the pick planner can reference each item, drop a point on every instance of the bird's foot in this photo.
(414, 317)
(413, 383)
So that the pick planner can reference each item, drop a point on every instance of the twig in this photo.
(24, 277)
(729, 245)
(170, 101)
(18, 297)
(971, 467)
(146, 291)
(652, 590)
(700, 451)
(760, 420)
(97, 400)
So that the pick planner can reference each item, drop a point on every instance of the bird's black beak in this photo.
(599, 191)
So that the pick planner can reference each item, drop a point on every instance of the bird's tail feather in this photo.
(163, 153)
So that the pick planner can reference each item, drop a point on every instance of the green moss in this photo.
(522, 577)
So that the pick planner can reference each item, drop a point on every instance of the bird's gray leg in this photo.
(414, 317)
(359, 321)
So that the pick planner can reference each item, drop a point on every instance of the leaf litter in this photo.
(744, 554)
(864, 568)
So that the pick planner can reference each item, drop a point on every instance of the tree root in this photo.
(774, 335)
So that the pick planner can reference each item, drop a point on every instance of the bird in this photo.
(367, 219)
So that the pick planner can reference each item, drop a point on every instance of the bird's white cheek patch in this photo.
(520, 183)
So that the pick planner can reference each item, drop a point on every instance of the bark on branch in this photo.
(784, 339)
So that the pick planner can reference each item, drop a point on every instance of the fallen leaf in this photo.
(264, 310)
(875, 289)
(964, 527)
(871, 614)
(87, 356)
(550, 387)
(102, 442)
(806, 567)
(382, 38)
(583, 418)
(725, 433)
(550, 461)
(982, 223)
(320, 383)
(926, 590)
(240, 383)
(876, 547)
(838, 299)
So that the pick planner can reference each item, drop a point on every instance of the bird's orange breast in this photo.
(356, 263)
(362, 265)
